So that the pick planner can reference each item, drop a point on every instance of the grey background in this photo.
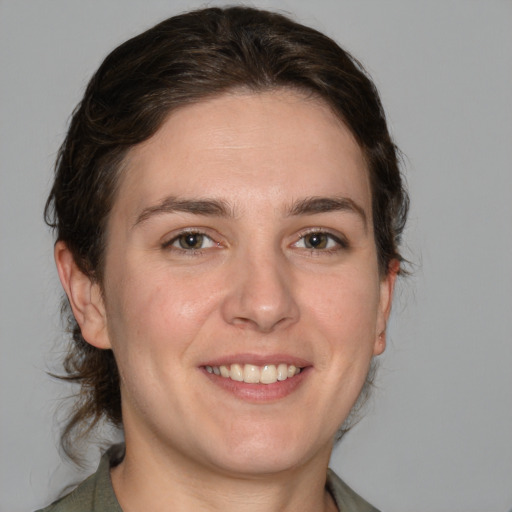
(438, 433)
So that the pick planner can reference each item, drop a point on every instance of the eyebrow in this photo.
(315, 205)
(219, 208)
(207, 207)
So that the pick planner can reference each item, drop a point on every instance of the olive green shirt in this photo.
(97, 495)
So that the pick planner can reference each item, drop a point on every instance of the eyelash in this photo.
(190, 251)
(340, 243)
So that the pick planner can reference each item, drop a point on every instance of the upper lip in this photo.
(258, 360)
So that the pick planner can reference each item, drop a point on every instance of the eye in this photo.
(191, 241)
(320, 240)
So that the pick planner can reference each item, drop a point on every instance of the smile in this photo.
(252, 374)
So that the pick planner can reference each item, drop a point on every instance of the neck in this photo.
(179, 485)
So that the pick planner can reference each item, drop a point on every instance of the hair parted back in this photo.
(183, 60)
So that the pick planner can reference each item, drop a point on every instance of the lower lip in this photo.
(259, 392)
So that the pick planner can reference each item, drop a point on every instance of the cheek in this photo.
(155, 308)
(349, 302)
(346, 313)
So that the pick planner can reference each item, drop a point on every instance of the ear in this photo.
(387, 286)
(85, 298)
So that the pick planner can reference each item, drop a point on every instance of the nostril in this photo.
(260, 295)
(263, 324)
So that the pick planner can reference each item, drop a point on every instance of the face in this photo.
(242, 296)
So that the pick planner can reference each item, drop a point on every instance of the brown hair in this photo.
(183, 60)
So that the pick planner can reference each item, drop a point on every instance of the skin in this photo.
(254, 290)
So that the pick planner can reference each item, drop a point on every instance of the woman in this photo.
(228, 208)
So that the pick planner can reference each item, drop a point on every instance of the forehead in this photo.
(246, 148)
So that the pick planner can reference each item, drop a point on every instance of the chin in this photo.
(267, 452)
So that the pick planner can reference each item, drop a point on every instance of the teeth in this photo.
(291, 370)
(268, 374)
(236, 373)
(282, 372)
(252, 374)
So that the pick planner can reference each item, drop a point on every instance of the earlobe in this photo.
(387, 287)
(84, 296)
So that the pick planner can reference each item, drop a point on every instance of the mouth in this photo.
(254, 374)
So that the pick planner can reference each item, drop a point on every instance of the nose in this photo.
(260, 294)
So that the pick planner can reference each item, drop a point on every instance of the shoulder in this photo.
(346, 499)
(79, 500)
(95, 494)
